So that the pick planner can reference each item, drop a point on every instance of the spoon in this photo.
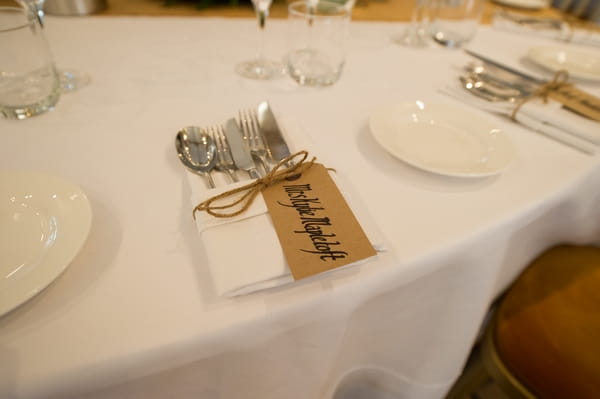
(197, 151)
(489, 91)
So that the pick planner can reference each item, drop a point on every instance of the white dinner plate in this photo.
(442, 139)
(524, 4)
(44, 222)
(579, 63)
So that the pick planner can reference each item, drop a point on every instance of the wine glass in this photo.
(260, 67)
(416, 35)
(70, 80)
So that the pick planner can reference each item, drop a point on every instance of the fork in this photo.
(224, 159)
(249, 123)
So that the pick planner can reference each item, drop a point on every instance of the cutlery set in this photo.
(497, 88)
(250, 145)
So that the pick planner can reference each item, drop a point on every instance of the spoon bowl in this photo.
(488, 90)
(197, 151)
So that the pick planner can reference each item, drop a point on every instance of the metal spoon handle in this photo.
(211, 182)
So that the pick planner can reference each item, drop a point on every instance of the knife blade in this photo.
(275, 143)
(239, 150)
(506, 68)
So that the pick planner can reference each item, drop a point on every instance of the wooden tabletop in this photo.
(364, 10)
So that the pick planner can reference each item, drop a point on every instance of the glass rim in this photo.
(18, 10)
(300, 9)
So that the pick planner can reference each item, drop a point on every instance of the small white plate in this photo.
(44, 222)
(524, 4)
(579, 63)
(442, 139)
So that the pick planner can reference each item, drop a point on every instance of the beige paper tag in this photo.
(578, 101)
(316, 228)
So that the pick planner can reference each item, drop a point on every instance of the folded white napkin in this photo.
(244, 254)
(506, 21)
(549, 119)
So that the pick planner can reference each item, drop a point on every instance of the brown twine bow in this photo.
(284, 169)
(559, 80)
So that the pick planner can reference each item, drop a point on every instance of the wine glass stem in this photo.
(262, 15)
(420, 17)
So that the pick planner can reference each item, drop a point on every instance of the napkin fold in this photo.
(548, 118)
(564, 32)
(244, 253)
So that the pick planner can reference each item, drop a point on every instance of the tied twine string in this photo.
(559, 80)
(284, 169)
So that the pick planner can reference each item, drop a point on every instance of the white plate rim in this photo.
(539, 56)
(380, 138)
(73, 217)
(524, 4)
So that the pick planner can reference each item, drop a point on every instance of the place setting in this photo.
(251, 193)
(556, 107)
(561, 29)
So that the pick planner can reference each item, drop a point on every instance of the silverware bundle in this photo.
(247, 146)
(498, 88)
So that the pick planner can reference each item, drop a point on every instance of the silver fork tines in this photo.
(224, 159)
(249, 124)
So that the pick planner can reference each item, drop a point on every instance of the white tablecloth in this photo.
(135, 315)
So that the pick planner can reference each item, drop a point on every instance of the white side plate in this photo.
(442, 139)
(579, 63)
(524, 4)
(44, 222)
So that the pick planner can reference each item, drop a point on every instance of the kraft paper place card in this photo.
(315, 226)
(580, 101)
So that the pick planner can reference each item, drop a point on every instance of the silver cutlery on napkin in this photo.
(275, 142)
(225, 162)
(239, 149)
(197, 151)
(529, 116)
(249, 123)
(497, 88)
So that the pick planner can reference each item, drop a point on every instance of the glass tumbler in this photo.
(29, 84)
(317, 36)
(455, 21)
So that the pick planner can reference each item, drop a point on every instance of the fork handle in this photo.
(232, 175)
(264, 163)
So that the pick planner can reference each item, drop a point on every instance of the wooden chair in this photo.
(544, 339)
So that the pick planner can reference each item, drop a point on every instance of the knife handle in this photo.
(253, 173)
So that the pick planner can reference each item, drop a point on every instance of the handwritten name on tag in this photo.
(578, 100)
(315, 226)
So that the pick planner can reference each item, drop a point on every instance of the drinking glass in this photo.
(416, 35)
(28, 80)
(260, 67)
(70, 80)
(455, 21)
(317, 38)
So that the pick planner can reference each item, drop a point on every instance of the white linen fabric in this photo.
(136, 314)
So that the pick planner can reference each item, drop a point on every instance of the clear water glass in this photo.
(317, 38)
(29, 83)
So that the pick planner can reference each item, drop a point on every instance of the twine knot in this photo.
(285, 169)
(559, 80)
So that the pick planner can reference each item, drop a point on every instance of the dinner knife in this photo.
(239, 150)
(506, 68)
(275, 143)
